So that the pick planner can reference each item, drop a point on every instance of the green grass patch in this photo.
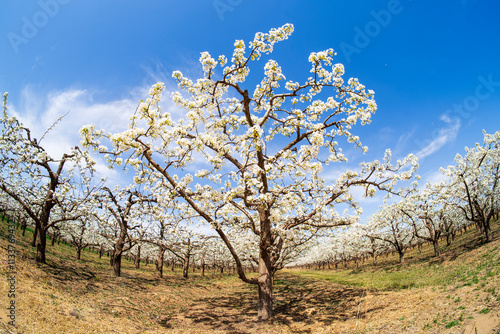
(452, 324)
(485, 311)
(421, 269)
(412, 276)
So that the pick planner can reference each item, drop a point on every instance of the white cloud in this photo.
(445, 135)
(39, 113)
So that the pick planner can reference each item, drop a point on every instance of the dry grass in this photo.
(70, 296)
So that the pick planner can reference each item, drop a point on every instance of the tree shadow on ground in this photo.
(297, 300)
(81, 277)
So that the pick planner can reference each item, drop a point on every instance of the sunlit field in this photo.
(250, 167)
(454, 293)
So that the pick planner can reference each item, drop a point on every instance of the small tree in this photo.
(157, 237)
(184, 247)
(475, 181)
(121, 214)
(260, 150)
(40, 183)
(425, 210)
(136, 251)
(165, 217)
(81, 234)
(393, 227)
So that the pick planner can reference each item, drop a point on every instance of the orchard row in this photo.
(238, 168)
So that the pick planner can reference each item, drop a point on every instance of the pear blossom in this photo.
(249, 161)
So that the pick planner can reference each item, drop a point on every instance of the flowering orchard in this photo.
(48, 190)
(475, 179)
(252, 160)
(467, 196)
(261, 151)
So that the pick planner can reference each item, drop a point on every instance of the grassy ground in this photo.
(455, 293)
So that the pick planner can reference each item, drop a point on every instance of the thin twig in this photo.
(130, 307)
(5, 327)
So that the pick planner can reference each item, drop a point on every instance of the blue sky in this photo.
(433, 65)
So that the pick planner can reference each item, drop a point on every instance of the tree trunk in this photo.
(185, 269)
(202, 267)
(23, 226)
(138, 257)
(487, 231)
(117, 264)
(159, 262)
(78, 253)
(265, 311)
(401, 257)
(266, 273)
(41, 246)
(436, 247)
(116, 257)
(35, 235)
(159, 268)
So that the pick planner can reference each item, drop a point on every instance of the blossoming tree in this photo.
(475, 181)
(82, 232)
(259, 152)
(431, 213)
(121, 215)
(393, 227)
(41, 184)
